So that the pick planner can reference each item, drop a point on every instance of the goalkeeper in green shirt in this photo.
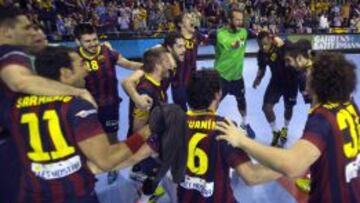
(229, 61)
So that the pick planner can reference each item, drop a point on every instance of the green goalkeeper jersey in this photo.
(230, 53)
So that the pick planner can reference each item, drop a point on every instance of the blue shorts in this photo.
(109, 118)
(274, 92)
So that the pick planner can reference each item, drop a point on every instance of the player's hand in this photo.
(143, 102)
(256, 82)
(88, 97)
(233, 135)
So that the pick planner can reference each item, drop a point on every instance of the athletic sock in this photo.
(273, 126)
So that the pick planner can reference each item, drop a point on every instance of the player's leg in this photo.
(271, 97)
(224, 88)
(237, 88)
(109, 118)
(289, 103)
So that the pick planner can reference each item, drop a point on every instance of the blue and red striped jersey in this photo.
(155, 90)
(209, 161)
(46, 131)
(101, 80)
(188, 66)
(335, 130)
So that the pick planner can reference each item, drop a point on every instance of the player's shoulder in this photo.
(12, 49)
(77, 105)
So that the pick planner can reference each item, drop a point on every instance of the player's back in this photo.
(46, 131)
(209, 161)
(335, 175)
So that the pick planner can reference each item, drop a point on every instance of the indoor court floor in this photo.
(123, 190)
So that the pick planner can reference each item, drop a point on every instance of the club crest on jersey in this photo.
(189, 44)
(273, 57)
(86, 113)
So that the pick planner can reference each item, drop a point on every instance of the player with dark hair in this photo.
(330, 142)
(300, 56)
(208, 161)
(16, 76)
(229, 61)
(175, 44)
(283, 83)
(101, 80)
(55, 136)
(186, 27)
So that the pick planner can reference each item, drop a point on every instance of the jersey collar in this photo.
(152, 80)
(88, 56)
(201, 112)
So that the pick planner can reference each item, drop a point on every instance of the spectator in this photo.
(337, 21)
(60, 25)
(124, 21)
(324, 23)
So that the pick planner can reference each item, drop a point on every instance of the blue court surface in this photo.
(123, 190)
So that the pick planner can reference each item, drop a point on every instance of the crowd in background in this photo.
(58, 17)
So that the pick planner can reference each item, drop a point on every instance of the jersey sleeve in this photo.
(10, 55)
(83, 118)
(233, 156)
(316, 130)
(115, 55)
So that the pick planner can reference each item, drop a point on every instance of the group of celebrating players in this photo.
(60, 116)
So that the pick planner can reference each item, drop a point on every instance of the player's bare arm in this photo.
(132, 65)
(20, 79)
(143, 101)
(254, 174)
(144, 152)
(259, 76)
(298, 158)
(105, 156)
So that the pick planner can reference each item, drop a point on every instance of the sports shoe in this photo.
(249, 131)
(283, 136)
(159, 192)
(137, 175)
(303, 184)
(112, 177)
(276, 137)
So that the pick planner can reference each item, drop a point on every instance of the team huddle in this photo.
(60, 110)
